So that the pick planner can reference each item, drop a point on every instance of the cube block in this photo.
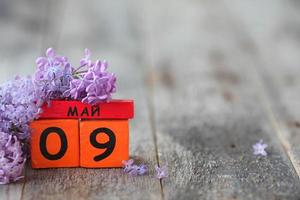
(54, 143)
(73, 134)
(103, 143)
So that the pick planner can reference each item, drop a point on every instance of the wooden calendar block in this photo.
(55, 143)
(115, 109)
(72, 134)
(103, 143)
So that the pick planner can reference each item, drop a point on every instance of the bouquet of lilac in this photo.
(21, 100)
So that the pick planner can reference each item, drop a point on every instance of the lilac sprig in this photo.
(53, 75)
(12, 159)
(58, 79)
(91, 82)
(19, 105)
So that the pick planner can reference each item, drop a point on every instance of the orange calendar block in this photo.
(73, 134)
(55, 143)
(103, 143)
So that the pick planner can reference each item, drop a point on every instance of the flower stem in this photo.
(78, 68)
(81, 72)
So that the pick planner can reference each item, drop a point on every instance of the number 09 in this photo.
(109, 145)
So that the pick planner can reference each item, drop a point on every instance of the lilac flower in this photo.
(21, 100)
(99, 84)
(161, 172)
(93, 85)
(86, 60)
(134, 170)
(19, 104)
(53, 75)
(138, 170)
(127, 165)
(142, 169)
(11, 158)
(59, 80)
(259, 148)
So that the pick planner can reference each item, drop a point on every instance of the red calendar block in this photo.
(54, 143)
(103, 143)
(115, 109)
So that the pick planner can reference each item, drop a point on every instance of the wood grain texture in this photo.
(278, 66)
(208, 111)
(219, 75)
(109, 35)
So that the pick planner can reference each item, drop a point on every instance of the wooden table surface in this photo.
(209, 78)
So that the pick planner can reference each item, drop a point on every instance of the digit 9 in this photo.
(109, 145)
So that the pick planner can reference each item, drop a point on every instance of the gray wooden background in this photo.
(209, 78)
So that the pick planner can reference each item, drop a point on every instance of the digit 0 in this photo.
(109, 145)
(63, 146)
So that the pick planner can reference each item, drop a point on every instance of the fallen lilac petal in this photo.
(161, 172)
(259, 148)
(134, 171)
(142, 169)
(127, 165)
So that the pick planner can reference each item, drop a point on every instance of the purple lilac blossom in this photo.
(259, 148)
(143, 169)
(21, 100)
(11, 158)
(86, 60)
(19, 105)
(127, 165)
(53, 75)
(161, 172)
(95, 84)
(134, 170)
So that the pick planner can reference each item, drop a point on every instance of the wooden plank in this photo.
(12, 191)
(21, 25)
(106, 28)
(207, 109)
(279, 47)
